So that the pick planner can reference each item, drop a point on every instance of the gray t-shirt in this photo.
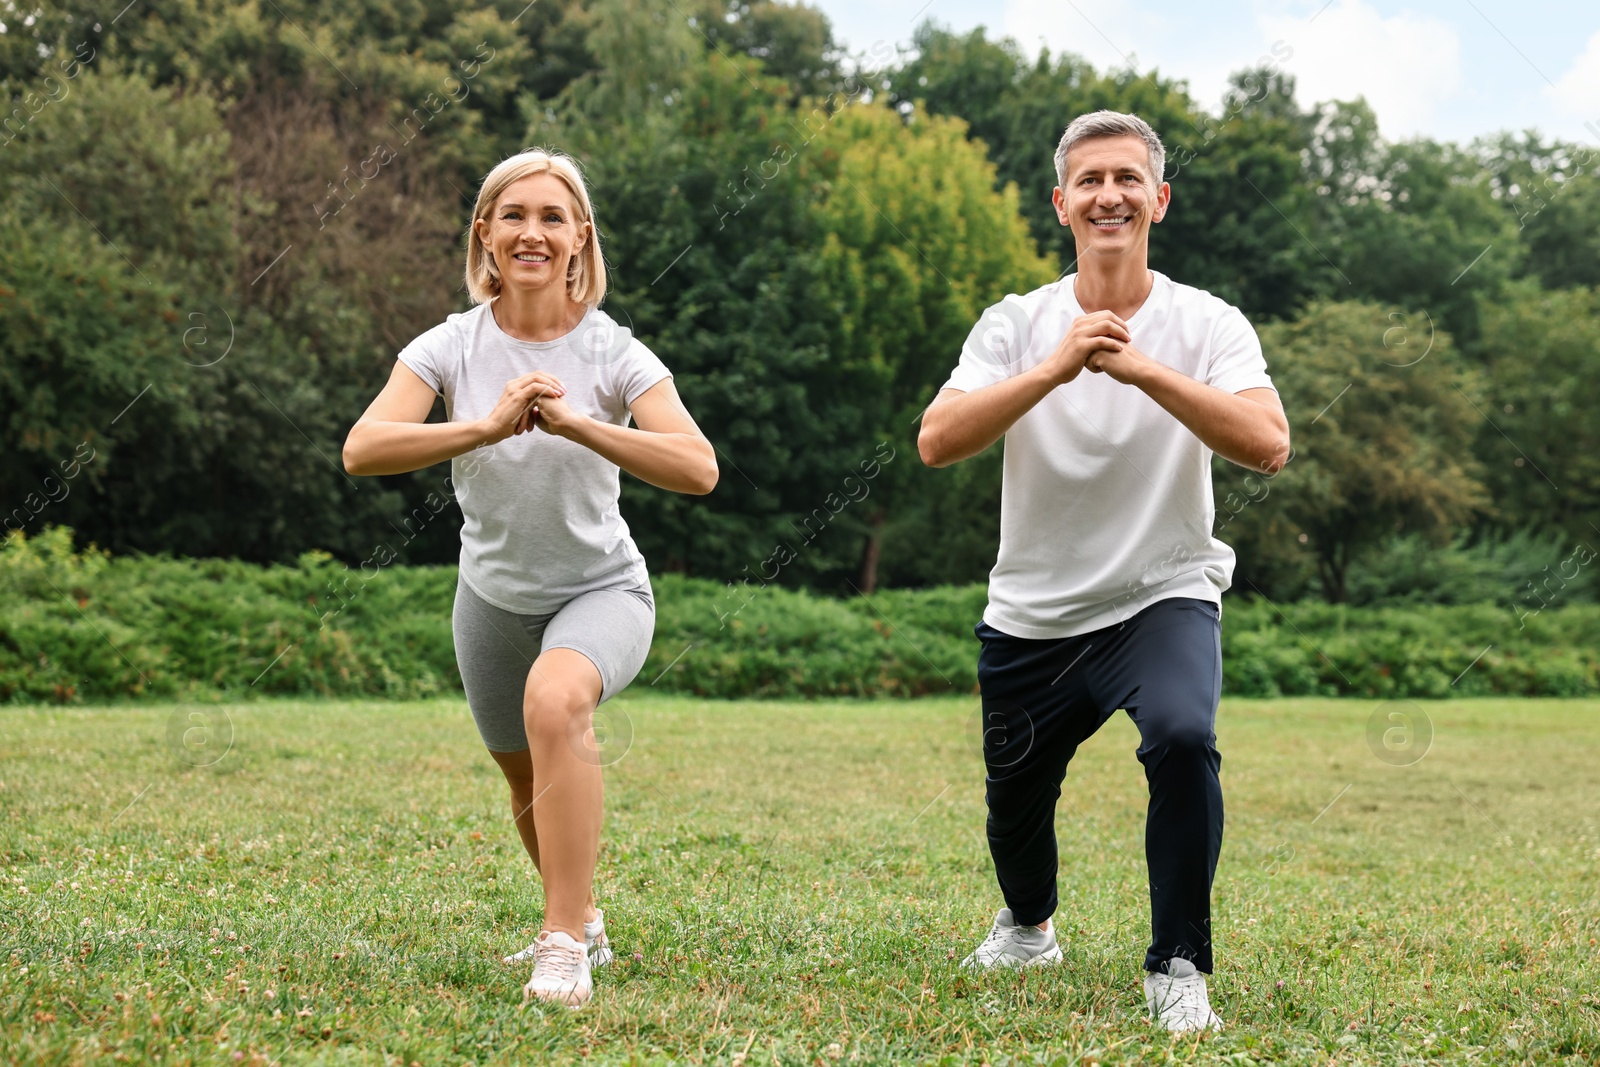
(542, 522)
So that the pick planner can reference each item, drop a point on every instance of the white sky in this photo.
(1446, 69)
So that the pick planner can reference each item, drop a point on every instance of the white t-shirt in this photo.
(542, 523)
(1106, 504)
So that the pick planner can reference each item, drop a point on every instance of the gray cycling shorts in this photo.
(495, 650)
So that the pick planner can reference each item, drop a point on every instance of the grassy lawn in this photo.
(784, 883)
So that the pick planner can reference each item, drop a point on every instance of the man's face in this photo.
(1110, 198)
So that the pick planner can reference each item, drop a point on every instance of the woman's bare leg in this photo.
(518, 769)
(567, 793)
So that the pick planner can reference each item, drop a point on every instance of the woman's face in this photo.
(533, 232)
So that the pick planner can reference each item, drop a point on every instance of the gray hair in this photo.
(1110, 124)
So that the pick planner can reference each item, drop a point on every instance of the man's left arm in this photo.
(1248, 428)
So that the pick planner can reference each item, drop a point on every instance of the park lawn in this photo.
(784, 883)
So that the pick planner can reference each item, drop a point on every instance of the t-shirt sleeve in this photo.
(637, 371)
(1236, 362)
(994, 348)
(426, 357)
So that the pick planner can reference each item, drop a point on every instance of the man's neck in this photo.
(1120, 287)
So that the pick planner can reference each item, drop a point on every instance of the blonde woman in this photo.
(553, 612)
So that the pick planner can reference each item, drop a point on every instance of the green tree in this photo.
(1537, 432)
(1552, 189)
(917, 242)
(793, 41)
(1414, 224)
(1383, 420)
(232, 411)
(1236, 182)
(81, 337)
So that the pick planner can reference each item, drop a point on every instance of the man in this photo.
(1107, 590)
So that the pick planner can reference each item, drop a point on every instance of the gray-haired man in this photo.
(1107, 591)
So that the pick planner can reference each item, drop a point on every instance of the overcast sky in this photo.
(1446, 69)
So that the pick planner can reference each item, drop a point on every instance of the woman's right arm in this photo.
(393, 436)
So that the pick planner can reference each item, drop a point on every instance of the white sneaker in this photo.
(1010, 945)
(560, 971)
(1177, 1000)
(594, 941)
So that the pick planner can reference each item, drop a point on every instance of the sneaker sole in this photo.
(1211, 1026)
(563, 999)
(1011, 963)
(599, 956)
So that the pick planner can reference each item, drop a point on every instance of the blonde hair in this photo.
(586, 274)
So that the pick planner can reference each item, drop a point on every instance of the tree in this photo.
(1553, 192)
(1414, 224)
(917, 242)
(122, 293)
(793, 41)
(1236, 182)
(1537, 433)
(1383, 420)
(81, 337)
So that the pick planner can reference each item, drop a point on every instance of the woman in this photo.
(553, 612)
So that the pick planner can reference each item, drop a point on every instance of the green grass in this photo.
(785, 883)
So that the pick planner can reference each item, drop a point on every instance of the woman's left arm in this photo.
(666, 449)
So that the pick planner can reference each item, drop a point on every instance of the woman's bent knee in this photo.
(553, 712)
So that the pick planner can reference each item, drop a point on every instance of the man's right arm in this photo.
(959, 425)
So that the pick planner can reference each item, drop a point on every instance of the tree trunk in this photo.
(869, 555)
(1331, 567)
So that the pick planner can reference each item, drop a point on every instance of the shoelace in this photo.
(999, 937)
(557, 961)
(532, 951)
(1184, 998)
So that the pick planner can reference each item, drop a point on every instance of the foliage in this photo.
(1537, 432)
(1406, 223)
(916, 243)
(1382, 434)
(1220, 234)
(234, 215)
(85, 626)
(1552, 191)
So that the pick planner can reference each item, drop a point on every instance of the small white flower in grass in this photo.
(86, 921)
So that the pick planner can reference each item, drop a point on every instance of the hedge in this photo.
(83, 626)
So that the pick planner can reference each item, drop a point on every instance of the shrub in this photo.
(85, 626)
